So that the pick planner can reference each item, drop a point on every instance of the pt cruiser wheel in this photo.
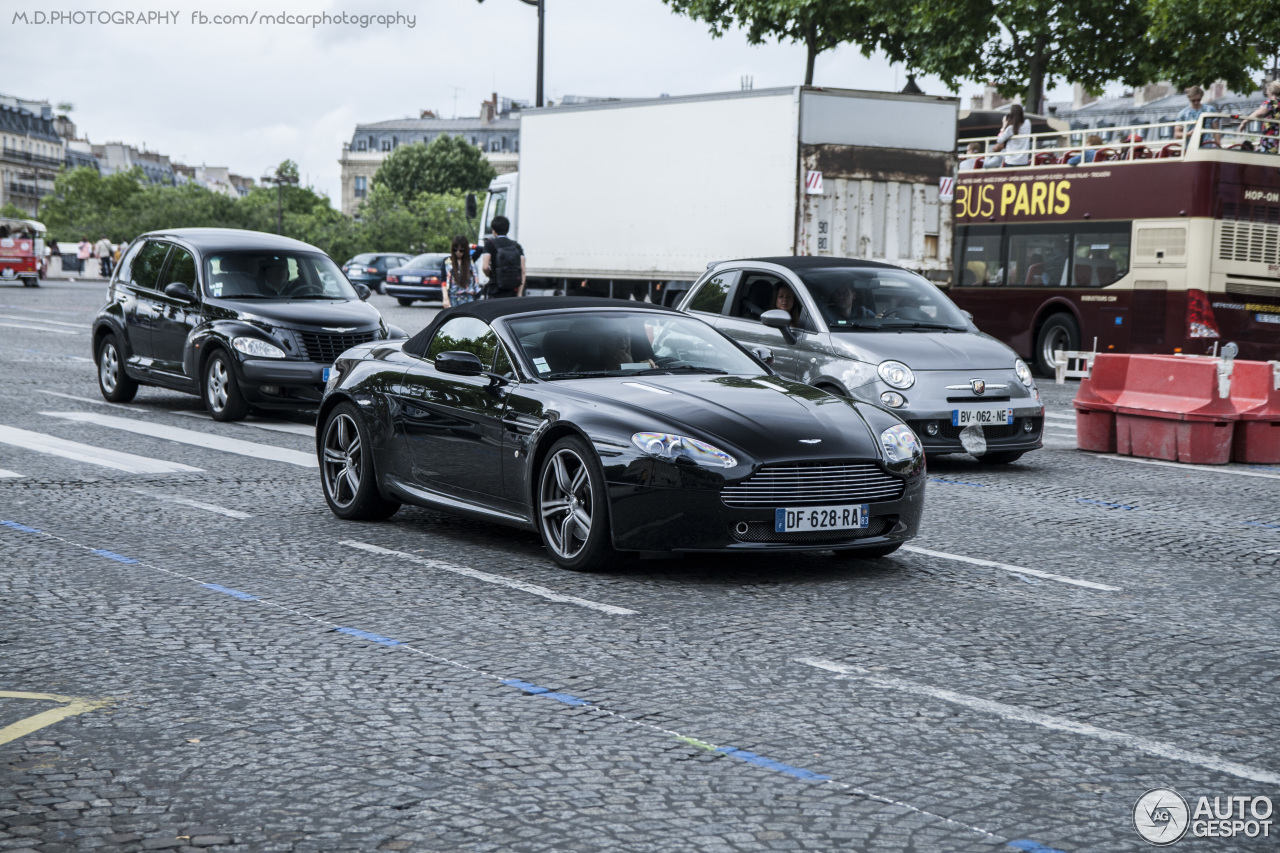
(572, 513)
(114, 384)
(346, 469)
(222, 395)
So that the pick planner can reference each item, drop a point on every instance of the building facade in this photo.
(496, 132)
(218, 179)
(118, 157)
(31, 152)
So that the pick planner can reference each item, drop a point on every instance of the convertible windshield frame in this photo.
(590, 344)
(880, 299)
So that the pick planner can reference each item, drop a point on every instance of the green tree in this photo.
(819, 25)
(12, 211)
(449, 163)
(1207, 40)
(84, 202)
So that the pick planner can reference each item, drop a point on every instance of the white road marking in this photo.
(190, 436)
(10, 475)
(1019, 570)
(1057, 417)
(74, 450)
(274, 426)
(81, 326)
(84, 399)
(41, 328)
(174, 499)
(1070, 429)
(532, 589)
(1198, 469)
(1019, 714)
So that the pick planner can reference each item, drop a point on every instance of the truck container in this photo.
(636, 197)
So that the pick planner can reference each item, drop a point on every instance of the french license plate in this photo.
(801, 519)
(981, 417)
(411, 279)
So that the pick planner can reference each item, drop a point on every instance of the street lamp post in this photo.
(280, 179)
(539, 4)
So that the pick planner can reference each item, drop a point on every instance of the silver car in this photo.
(881, 334)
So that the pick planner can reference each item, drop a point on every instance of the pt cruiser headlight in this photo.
(1024, 373)
(256, 347)
(664, 445)
(900, 443)
(896, 374)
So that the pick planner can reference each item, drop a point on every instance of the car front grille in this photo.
(325, 349)
(813, 484)
(991, 431)
(763, 531)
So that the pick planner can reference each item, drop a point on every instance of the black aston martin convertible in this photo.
(612, 426)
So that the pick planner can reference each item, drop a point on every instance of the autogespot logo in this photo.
(1160, 816)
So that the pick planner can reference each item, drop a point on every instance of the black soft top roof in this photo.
(489, 310)
(812, 262)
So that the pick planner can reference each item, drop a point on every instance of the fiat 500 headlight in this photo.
(664, 445)
(900, 443)
(1024, 373)
(256, 347)
(897, 374)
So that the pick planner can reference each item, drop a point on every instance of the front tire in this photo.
(221, 390)
(1059, 332)
(404, 303)
(573, 507)
(113, 382)
(346, 468)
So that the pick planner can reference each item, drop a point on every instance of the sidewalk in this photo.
(56, 273)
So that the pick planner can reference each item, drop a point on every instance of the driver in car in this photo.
(842, 309)
(615, 348)
(276, 275)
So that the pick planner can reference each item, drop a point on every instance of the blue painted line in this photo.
(112, 555)
(1104, 503)
(1264, 468)
(365, 635)
(958, 483)
(770, 764)
(1032, 846)
(16, 526)
(544, 692)
(243, 596)
(1260, 524)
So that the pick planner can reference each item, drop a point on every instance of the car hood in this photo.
(306, 314)
(767, 416)
(927, 350)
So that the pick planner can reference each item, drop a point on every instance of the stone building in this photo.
(118, 157)
(31, 152)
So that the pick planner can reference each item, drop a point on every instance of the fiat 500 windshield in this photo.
(275, 275)
(862, 299)
(617, 344)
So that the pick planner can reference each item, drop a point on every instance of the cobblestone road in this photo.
(195, 654)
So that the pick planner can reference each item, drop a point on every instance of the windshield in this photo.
(275, 275)
(430, 261)
(620, 343)
(852, 299)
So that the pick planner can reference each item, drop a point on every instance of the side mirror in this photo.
(363, 291)
(780, 320)
(178, 290)
(763, 353)
(459, 363)
(471, 205)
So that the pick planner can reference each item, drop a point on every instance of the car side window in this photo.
(464, 334)
(711, 296)
(754, 296)
(126, 262)
(182, 268)
(146, 268)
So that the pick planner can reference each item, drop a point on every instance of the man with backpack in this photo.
(503, 261)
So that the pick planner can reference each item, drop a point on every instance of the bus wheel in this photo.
(1059, 332)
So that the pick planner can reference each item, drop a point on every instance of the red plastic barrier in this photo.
(1170, 409)
(1095, 403)
(1257, 400)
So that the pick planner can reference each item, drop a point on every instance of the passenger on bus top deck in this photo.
(975, 155)
(1088, 154)
(1189, 114)
(1015, 136)
(1270, 109)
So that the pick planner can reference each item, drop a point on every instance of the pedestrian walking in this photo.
(83, 253)
(462, 284)
(503, 261)
(103, 250)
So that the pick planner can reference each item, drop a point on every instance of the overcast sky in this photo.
(248, 96)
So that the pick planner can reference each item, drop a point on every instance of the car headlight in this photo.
(664, 445)
(257, 347)
(900, 443)
(897, 374)
(1024, 373)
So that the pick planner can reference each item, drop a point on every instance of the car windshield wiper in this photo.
(682, 368)
(315, 296)
(581, 374)
(917, 324)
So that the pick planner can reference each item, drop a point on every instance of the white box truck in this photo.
(638, 196)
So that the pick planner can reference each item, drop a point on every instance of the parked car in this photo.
(370, 269)
(881, 334)
(609, 426)
(242, 318)
(418, 279)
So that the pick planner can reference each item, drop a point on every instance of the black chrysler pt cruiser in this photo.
(242, 318)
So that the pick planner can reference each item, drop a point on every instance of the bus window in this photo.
(1100, 258)
(1037, 260)
(981, 259)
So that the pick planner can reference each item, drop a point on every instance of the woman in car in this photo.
(784, 299)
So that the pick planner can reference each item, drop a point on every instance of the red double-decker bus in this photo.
(1144, 244)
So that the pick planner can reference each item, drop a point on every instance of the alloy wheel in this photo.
(218, 384)
(109, 367)
(566, 503)
(342, 461)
